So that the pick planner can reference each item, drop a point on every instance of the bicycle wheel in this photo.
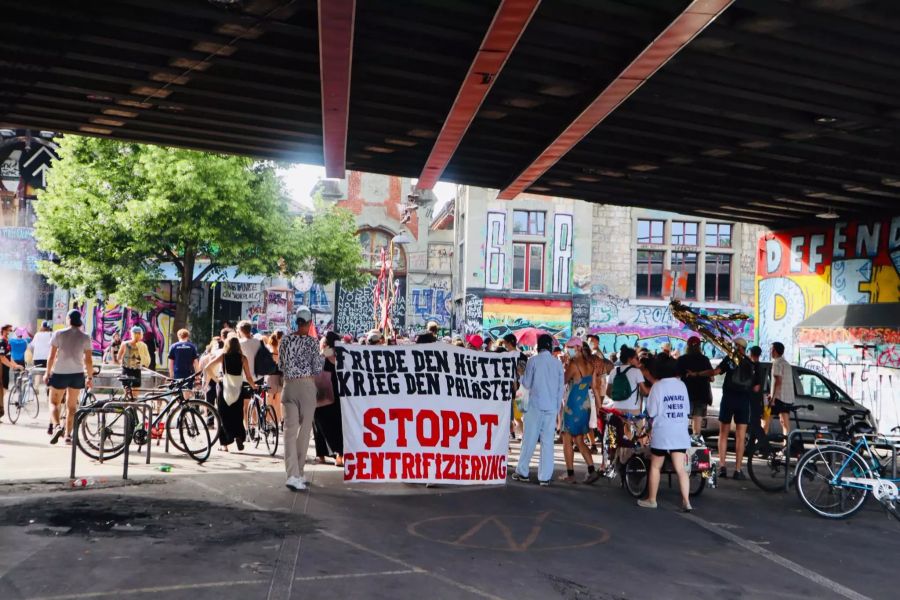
(766, 465)
(33, 405)
(696, 484)
(114, 434)
(269, 430)
(194, 434)
(212, 420)
(14, 404)
(636, 476)
(815, 473)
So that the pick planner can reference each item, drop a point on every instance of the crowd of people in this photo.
(561, 391)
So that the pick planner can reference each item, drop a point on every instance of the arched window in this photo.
(372, 242)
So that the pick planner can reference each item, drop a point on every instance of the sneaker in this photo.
(69, 440)
(646, 504)
(50, 429)
(697, 441)
(738, 476)
(56, 435)
(723, 473)
(544, 483)
(522, 478)
(592, 477)
(296, 484)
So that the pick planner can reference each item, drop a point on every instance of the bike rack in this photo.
(788, 445)
(109, 407)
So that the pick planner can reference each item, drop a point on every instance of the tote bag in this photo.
(231, 388)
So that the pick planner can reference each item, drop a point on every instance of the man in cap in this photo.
(736, 394)
(475, 342)
(70, 369)
(699, 391)
(544, 381)
(300, 361)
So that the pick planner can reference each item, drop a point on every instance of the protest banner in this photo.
(425, 413)
(241, 292)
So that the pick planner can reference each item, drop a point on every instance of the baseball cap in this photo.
(740, 342)
(74, 317)
(475, 339)
(347, 338)
(574, 342)
(302, 313)
(46, 325)
(694, 341)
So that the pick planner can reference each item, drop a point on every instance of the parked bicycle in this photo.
(23, 397)
(183, 421)
(262, 420)
(834, 479)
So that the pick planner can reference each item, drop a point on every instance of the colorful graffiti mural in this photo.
(104, 319)
(803, 270)
(432, 303)
(507, 315)
(616, 321)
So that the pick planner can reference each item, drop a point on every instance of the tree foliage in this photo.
(112, 212)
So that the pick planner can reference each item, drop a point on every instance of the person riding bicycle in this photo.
(6, 362)
(133, 355)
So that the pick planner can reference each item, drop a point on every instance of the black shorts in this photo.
(698, 407)
(131, 377)
(40, 364)
(781, 408)
(658, 452)
(735, 405)
(67, 381)
(5, 377)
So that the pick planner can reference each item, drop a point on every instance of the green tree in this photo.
(112, 212)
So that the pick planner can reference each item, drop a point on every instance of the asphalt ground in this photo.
(230, 529)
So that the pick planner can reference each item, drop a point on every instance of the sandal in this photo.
(320, 460)
(568, 479)
(338, 461)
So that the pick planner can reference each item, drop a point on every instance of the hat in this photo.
(740, 342)
(137, 329)
(476, 340)
(347, 338)
(694, 341)
(373, 336)
(574, 342)
(302, 313)
(46, 325)
(74, 317)
(432, 325)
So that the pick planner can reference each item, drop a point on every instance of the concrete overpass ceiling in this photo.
(775, 112)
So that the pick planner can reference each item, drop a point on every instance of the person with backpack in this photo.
(626, 383)
(737, 390)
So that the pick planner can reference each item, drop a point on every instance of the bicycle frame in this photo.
(874, 465)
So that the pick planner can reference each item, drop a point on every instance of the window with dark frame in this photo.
(686, 262)
(649, 274)
(528, 222)
(650, 231)
(718, 277)
(684, 233)
(528, 267)
(718, 235)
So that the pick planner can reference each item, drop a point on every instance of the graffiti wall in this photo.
(430, 302)
(355, 309)
(616, 321)
(801, 271)
(316, 298)
(506, 315)
(103, 320)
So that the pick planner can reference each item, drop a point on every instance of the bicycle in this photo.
(769, 457)
(185, 415)
(23, 396)
(262, 420)
(835, 479)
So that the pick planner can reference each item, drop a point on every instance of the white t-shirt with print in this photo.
(669, 407)
(635, 377)
(783, 369)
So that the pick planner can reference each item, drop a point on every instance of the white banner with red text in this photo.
(425, 413)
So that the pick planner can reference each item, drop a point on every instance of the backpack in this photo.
(621, 387)
(264, 364)
(742, 376)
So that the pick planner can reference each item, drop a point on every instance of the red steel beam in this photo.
(667, 44)
(510, 20)
(336, 20)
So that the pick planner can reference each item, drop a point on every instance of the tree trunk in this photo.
(183, 294)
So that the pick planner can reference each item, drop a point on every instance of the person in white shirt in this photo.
(781, 394)
(631, 368)
(669, 408)
(249, 346)
(40, 345)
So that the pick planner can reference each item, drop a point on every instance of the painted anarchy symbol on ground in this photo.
(512, 533)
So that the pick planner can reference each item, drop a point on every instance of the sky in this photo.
(300, 179)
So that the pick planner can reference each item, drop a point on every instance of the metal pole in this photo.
(129, 429)
(149, 411)
(78, 418)
(102, 433)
